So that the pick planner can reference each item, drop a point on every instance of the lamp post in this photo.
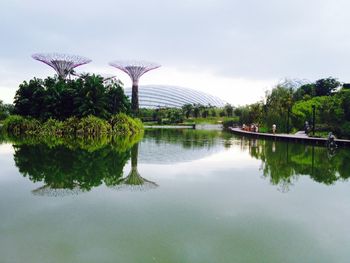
(313, 120)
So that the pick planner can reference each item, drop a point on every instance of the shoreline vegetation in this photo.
(88, 105)
(119, 124)
(91, 105)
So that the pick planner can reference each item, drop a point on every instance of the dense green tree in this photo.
(29, 98)
(60, 99)
(205, 113)
(187, 110)
(306, 91)
(196, 110)
(5, 110)
(326, 87)
(229, 110)
(91, 97)
(116, 99)
(278, 103)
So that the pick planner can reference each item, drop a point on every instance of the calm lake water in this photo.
(176, 196)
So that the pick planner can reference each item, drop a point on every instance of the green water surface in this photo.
(174, 196)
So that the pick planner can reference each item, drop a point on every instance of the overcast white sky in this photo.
(234, 49)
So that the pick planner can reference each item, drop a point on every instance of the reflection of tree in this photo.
(72, 166)
(284, 162)
(64, 168)
(69, 166)
(134, 179)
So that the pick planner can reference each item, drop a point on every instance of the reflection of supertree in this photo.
(135, 69)
(134, 181)
(63, 64)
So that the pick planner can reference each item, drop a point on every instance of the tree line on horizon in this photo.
(290, 104)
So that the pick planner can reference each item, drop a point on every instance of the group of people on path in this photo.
(255, 128)
(251, 128)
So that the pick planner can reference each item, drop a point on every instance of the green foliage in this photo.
(29, 98)
(52, 127)
(187, 110)
(175, 116)
(123, 124)
(229, 110)
(5, 110)
(92, 125)
(331, 102)
(71, 165)
(60, 99)
(71, 125)
(91, 98)
(17, 124)
(326, 87)
(284, 162)
(120, 124)
(189, 113)
(117, 101)
(345, 129)
(327, 111)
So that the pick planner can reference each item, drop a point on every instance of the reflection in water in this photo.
(73, 165)
(67, 168)
(284, 162)
(168, 146)
(70, 166)
(134, 181)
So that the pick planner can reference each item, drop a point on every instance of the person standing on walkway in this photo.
(274, 128)
(306, 127)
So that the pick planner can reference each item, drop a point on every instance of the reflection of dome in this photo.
(47, 190)
(155, 96)
(163, 152)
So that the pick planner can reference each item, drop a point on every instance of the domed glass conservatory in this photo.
(163, 96)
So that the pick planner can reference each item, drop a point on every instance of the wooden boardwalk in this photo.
(298, 137)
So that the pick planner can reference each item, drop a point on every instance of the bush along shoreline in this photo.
(118, 124)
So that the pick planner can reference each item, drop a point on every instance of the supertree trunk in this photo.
(135, 99)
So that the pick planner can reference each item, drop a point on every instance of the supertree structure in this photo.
(63, 64)
(135, 69)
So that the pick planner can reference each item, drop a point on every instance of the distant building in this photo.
(163, 96)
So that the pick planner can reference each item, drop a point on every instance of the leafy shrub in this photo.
(123, 124)
(71, 125)
(17, 124)
(119, 124)
(345, 130)
(52, 127)
(92, 125)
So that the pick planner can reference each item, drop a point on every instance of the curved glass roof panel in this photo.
(163, 96)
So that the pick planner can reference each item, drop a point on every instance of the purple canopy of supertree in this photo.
(63, 64)
(135, 69)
